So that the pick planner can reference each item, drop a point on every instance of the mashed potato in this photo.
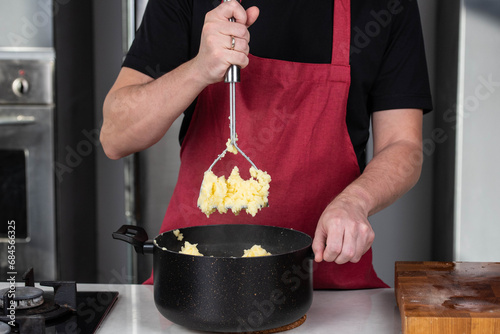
(217, 193)
(256, 250)
(190, 249)
(179, 235)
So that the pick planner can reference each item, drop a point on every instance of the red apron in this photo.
(291, 121)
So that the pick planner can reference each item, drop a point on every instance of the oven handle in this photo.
(17, 120)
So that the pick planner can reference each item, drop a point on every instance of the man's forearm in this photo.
(388, 176)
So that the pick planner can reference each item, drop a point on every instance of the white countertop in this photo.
(358, 311)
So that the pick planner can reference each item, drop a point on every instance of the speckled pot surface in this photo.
(224, 292)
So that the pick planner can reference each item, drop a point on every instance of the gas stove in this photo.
(57, 308)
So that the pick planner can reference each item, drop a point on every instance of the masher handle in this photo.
(233, 72)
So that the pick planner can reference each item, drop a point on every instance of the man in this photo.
(308, 62)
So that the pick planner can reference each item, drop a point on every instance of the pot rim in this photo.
(164, 249)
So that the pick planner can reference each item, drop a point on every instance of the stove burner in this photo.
(25, 297)
(4, 328)
(61, 309)
(49, 310)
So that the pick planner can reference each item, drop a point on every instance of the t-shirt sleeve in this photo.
(402, 80)
(162, 40)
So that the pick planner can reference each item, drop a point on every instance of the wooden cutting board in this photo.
(448, 297)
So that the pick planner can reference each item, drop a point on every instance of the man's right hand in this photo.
(216, 54)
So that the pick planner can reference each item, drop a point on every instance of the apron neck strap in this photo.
(341, 32)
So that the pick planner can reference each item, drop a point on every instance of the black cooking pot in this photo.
(222, 291)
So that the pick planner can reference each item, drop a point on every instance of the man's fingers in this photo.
(252, 15)
(333, 249)
(232, 9)
(234, 29)
(239, 45)
(237, 58)
(347, 249)
(318, 246)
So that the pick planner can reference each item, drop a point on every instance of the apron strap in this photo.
(341, 32)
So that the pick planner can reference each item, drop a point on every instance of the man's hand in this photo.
(343, 233)
(216, 53)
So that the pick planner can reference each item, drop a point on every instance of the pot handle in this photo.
(136, 236)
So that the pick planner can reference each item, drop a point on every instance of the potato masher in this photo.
(232, 76)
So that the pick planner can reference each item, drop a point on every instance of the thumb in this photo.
(252, 15)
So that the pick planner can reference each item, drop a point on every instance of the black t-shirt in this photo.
(388, 65)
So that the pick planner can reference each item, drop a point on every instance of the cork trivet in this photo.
(280, 329)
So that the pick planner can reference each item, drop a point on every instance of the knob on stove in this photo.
(20, 86)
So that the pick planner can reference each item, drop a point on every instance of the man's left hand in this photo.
(343, 233)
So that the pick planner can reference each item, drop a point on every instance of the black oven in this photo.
(27, 185)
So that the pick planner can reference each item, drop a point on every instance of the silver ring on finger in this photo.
(233, 42)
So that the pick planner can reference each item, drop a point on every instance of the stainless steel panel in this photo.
(30, 128)
(26, 81)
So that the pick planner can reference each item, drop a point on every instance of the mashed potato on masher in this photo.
(236, 194)
(230, 147)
